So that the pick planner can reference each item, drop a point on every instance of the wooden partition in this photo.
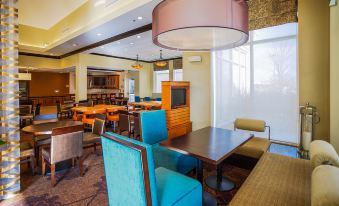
(178, 117)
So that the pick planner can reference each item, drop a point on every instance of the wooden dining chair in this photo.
(135, 127)
(124, 122)
(66, 144)
(41, 140)
(27, 155)
(92, 139)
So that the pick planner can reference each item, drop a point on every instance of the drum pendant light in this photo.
(200, 25)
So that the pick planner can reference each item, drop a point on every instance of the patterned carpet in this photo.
(91, 188)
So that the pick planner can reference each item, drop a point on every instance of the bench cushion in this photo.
(176, 189)
(254, 148)
(276, 180)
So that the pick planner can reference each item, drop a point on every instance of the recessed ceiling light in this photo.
(118, 42)
(102, 47)
(139, 17)
(99, 2)
(74, 45)
(138, 37)
(131, 43)
(99, 34)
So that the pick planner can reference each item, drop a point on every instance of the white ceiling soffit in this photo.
(119, 25)
(44, 14)
(140, 44)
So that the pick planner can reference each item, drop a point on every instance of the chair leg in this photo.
(73, 162)
(43, 165)
(81, 169)
(53, 180)
(32, 164)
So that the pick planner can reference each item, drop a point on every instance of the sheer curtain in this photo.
(259, 80)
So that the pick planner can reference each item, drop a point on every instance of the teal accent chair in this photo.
(136, 99)
(147, 99)
(132, 180)
(154, 131)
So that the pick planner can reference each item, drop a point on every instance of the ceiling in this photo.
(126, 48)
(44, 14)
(140, 44)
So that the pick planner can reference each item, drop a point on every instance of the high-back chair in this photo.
(132, 180)
(66, 144)
(147, 99)
(92, 139)
(137, 99)
(136, 126)
(124, 122)
(257, 146)
(154, 131)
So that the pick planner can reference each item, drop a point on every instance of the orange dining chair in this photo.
(113, 116)
(90, 115)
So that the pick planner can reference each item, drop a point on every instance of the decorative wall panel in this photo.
(9, 99)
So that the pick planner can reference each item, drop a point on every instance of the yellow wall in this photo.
(199, 74)
(314, 60)
(334, 35)
(38, 62)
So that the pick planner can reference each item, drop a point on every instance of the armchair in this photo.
(132, 180)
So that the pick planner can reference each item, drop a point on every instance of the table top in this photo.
(210, 144)
(150, 103)
(46, 128)
(96, 107)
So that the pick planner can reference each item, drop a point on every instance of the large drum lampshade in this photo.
(199, 25)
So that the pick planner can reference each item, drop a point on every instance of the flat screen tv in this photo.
(99, 81)
(178, 97)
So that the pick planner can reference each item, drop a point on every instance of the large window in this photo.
(178, 75)
(160, 76)
(259, 80)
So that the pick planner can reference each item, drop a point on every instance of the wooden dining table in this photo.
(82, 109)
(46, 128)
(212, 146)
(146, 105)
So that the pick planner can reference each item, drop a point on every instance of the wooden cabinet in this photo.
(110, 82)
(178, 119)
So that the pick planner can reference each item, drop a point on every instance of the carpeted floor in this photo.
(91, 188)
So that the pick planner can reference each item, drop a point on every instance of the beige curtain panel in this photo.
(268, 13)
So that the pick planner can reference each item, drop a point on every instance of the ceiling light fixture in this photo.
(74, 45)
(99, 34)
(219, 25)
(131, 43)
(138, 37)
(161, 62)
(140, 18)
(137, 65)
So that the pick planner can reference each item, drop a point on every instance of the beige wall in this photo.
(334, 35)
(314, 60)
(199, 74)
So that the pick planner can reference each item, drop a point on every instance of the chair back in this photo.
(124, 120)
(153, 127)
(37, 109)
(98, 126)
(66, 143)
(128, 167)
(58, 107)
(25, 109)
(137, 99)
(101, 116)
(137, 132)
(45, 121)
(158, 99)
(147, 99)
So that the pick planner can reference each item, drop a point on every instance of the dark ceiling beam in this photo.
(118, 37)
(39, 55)
(117, 57)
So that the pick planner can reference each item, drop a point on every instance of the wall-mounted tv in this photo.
(178, 97)
(99, 81)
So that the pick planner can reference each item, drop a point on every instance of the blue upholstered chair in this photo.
(132, 180)
(136, 99)
(154, 131)
(147, 99)
(158, 99)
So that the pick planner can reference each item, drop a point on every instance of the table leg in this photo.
(208, 199)
(219, 182)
